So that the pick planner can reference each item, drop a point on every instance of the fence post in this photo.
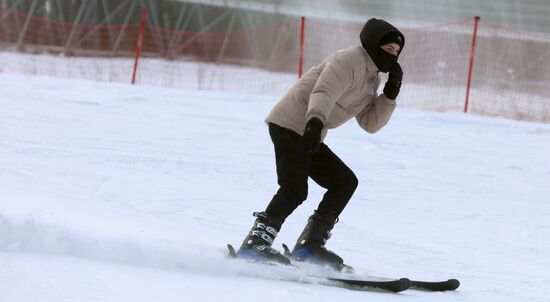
(302, 31)
(471, 67)
(23, 32)
(139, 43)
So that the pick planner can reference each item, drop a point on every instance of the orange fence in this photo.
(507, 74)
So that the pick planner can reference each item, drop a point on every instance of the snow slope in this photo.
(117, 193)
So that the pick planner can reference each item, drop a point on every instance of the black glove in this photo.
(311, 140)
(395, 75)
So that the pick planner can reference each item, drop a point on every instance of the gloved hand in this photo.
(395, 76)
(311, 140)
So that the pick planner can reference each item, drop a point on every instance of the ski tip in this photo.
(346, 269)
(404, 284)
(232, 253)
(286, 250)
(449, 285)
(453, 284)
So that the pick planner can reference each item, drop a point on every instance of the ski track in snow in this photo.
(116, 193)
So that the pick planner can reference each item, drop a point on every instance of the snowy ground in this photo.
(186, 74)
(117, 193)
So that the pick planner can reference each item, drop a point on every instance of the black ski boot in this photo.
(310, 246)
(257, 245)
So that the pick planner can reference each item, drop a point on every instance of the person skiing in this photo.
(342, 87)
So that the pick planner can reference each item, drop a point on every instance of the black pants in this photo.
(294, 166)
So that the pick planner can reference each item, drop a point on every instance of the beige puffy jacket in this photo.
(342, 87)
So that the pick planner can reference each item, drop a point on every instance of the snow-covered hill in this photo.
(110, 192)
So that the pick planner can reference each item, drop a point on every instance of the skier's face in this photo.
(392, 48)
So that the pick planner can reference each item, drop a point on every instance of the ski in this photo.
(232, 253)
(344, 269)
(394, 286)
(440, 286)
(436, 286)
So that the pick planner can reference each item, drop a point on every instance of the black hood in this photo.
(371, 34)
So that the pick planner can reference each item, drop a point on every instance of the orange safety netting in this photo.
(509, 75)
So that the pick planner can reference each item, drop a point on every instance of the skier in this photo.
(342, 87)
